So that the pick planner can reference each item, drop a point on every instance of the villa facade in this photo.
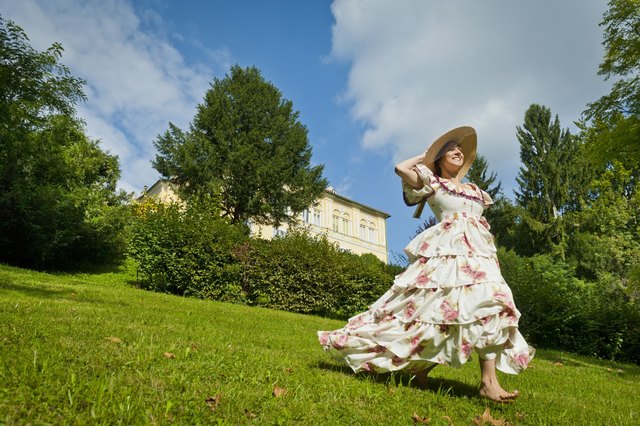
(353, 226)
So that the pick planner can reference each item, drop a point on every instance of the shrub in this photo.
(309, 275)
(187, 250)
(563, 312)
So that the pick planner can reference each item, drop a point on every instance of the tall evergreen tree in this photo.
(545, 152)
(478, 175)
(246, 143)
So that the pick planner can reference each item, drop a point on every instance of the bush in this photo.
(187, 250)
(302, 274)
(563, 312)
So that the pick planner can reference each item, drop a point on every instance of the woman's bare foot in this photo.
(421, 376)
(490, 387)
(494, 392)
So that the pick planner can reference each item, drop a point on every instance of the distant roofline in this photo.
(326, 190)
(342, 197)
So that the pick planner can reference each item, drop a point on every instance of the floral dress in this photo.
(450, 300)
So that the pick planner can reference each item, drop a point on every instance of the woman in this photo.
(452, 298)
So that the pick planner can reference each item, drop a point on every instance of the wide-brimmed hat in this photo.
(465, 137)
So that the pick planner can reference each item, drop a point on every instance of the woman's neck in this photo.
(449, 176)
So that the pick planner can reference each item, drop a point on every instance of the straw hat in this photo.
(465, 137)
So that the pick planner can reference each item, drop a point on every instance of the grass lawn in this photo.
(92, 348)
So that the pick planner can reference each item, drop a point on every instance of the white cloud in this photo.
(137, 81)
(419, 68)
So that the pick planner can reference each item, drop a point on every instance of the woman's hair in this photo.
(445, 148)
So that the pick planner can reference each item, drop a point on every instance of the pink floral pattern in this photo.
(476, 274)
(422, 280)
(410, 309)
(450, 301)
(448, 313)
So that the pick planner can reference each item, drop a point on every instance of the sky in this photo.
(374, 81)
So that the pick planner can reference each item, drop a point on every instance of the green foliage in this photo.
(552, 181)
(187, 250)
(563, 312)
(247, 141)
(58, 203)
(302, 274)
(478, 175)
(614, 131)
(621, 25)
(605, 237)
(545, 151)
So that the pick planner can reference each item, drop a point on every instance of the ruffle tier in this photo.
(458, 234)
(451, 300)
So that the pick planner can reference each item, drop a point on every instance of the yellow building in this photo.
(353, 226)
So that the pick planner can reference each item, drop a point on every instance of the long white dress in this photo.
(450, 300)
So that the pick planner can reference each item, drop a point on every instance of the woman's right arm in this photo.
(405, 170)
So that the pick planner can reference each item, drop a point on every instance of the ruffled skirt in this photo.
(445, 305)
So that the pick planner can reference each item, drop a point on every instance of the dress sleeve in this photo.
(414, 196)
(486, 199)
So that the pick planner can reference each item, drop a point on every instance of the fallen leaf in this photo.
(486, 418)
(213, 401)
(114, 339)
(417, 419)
(558, 364)
(169, 355)
(278, 391)
(249, 414)
(289, 370)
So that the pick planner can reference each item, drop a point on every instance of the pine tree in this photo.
(247, 145)
(478, 175)
(545, 152)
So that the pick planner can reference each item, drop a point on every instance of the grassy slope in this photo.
(81, 349)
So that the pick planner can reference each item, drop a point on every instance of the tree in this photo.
(246, 143)
(545, 152)
(614, 133)
(550, 173)
(478, 175)
(58, 203)
(621, 24)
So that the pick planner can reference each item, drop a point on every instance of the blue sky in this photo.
(374, 81)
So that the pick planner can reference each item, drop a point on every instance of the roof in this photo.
(329, 191)
(342, 197)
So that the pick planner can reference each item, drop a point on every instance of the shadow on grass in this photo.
(439, 385)
(44, 291)
(577, 360)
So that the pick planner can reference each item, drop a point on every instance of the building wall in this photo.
(352, 226)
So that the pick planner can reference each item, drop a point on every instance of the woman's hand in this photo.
(404, 169)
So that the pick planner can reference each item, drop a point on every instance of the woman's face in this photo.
(452, 160)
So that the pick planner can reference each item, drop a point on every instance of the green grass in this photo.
(87, 349)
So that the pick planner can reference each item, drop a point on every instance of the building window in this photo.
(346, 224)
(306, 216)
(373, 237)
(336, 222)
(363, 231)
(279, 232)
(317, 219)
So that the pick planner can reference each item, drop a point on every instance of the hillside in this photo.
(92, 348)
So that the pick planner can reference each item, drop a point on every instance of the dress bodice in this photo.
(444, 197)
(461, 231)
